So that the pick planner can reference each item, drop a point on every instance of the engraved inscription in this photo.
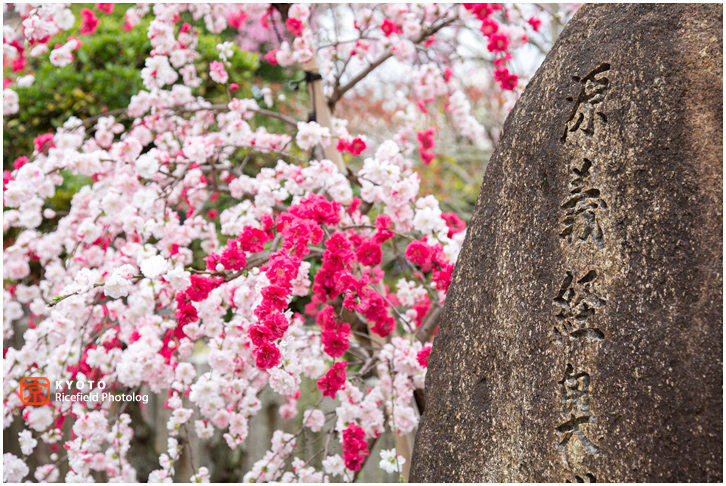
(581, 478)
(578, 301)
(580, 296)
(575, 395)
(593, 90)
(583, 207)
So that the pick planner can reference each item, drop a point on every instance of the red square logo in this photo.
(35, 390)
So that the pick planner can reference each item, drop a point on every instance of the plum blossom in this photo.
(14, 469)
(153, 267)
(391, 462)
(178, 278)
(27, 442)
(311, 134)
(117, 286)
(314, 419)
(10, 102)
(218, 73)
(225, 50)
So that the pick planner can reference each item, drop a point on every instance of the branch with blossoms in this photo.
(334, 272)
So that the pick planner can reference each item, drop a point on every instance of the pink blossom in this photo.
(217, 72)
(356, 146)
(423, 356)
(389, 28)
(489, 27)
(535, 23)
(89, 22)
(295, 26)
(105, 7)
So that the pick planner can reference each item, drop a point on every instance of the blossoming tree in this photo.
(328, 266)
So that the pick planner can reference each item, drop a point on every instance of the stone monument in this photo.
(582, 337)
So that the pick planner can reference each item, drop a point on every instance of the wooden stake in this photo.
(323, 115)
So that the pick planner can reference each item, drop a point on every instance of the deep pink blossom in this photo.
(277, 324)
(389, 28)
(235, 19)
(419, 253)
(498, 43)
(342, 145)
(295, 26)
(271, 57)
(232, 257)
(267, 356)
(43, 142)
(106, 8)
(317, 208)
(454, 222)
(89, 21)
(355, 448)
(489, 27)
(186, 314)
(336, 342)
(535, 23)
(252, 239)
(442, 277)
(423, 356)
(369, 253)
(357, 146)
(201, 287)
(333, 380)
(260, 334)
(426, 138)
(276, 296)
(509, 83)
(327, 319)
(20, 161)
(282, 269)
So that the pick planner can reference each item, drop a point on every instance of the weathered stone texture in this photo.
(582, 335)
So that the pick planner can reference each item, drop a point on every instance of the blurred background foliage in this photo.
(106, 72)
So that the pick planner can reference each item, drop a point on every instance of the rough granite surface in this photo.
(582, 336)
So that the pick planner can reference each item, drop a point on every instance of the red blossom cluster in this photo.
(333, 380)
(89, 22)
(355, 449)
(423, 356)
(355, 146)
(335, 334)
(427, 142)
(431, 257)
(389, 28)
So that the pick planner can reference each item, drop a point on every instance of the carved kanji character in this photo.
(583, 207)
(593, 91)
(577, 301)
(575, 395)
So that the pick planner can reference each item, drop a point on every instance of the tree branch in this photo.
(429, 325)
(341, 90)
